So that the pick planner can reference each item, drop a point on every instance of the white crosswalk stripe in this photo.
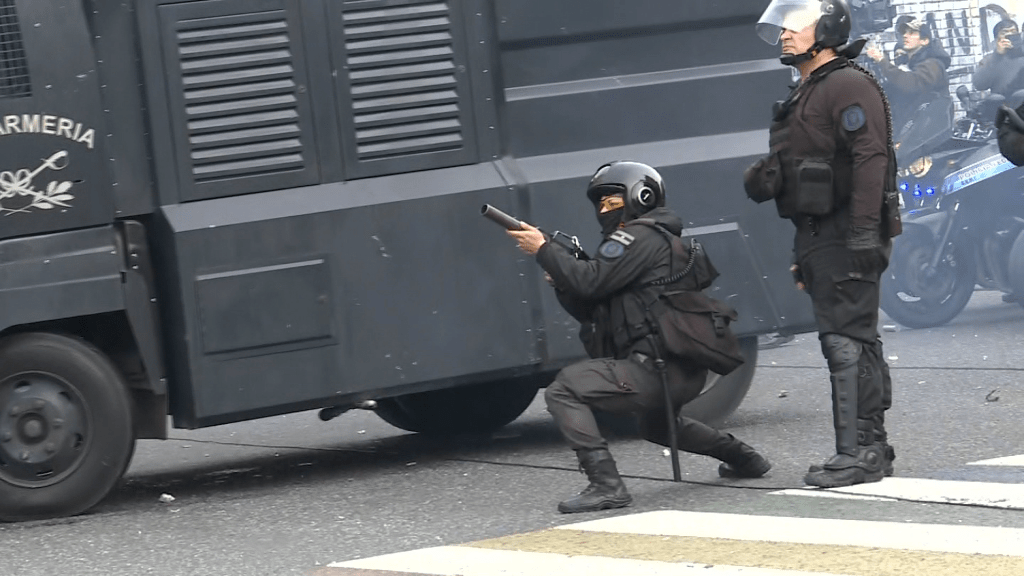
(989, 494)
(1007, 461)
(679, 543)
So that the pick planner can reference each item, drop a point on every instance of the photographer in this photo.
(1000, 71)
(610, 295)
(917, 74)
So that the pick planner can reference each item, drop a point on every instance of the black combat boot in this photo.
(888, 453)
(606, 489)
(858, 458)
(740, 461)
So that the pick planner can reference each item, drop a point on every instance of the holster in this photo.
(892, 222)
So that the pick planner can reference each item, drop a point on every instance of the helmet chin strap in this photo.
(797, 59)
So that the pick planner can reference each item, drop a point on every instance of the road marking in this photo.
(1007, 461)
(677, 543)
(472, 561)
(990, 494)
(818, 493)
(889, 535)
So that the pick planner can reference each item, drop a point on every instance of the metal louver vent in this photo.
(402, 73)
(240, 96)
(14, 78)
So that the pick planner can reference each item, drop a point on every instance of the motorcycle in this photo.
(963, 224)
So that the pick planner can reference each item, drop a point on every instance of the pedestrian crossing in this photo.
(679, 543)
(683, 543)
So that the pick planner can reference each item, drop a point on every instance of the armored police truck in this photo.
(221, 210)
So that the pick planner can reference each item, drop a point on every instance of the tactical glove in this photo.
(866, 254)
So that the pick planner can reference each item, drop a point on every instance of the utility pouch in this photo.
(695, 328)
(763, 179)
(814, 189)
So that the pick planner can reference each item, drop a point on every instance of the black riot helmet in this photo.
(831, 19)
(641, 187)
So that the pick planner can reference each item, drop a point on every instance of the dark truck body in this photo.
(254, 207)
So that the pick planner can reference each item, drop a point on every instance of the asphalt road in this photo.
(285, 495)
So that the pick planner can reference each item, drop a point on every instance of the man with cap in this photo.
(640, 257)
(831, 171)
(918, 74)
(1001, 70)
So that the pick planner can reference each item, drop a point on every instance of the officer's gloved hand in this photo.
(866, 254)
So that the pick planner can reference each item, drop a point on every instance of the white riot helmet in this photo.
(831, 31)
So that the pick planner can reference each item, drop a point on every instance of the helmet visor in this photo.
(783, 15)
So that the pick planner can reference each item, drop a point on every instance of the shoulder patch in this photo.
(853, 118)
(622, 237)
(611, 249)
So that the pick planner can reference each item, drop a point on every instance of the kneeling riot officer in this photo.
(831, 170)
(609, 296)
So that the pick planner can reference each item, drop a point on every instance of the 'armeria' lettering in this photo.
(48, 124)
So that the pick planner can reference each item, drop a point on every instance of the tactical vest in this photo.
(816, 166)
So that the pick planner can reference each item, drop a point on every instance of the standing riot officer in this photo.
(831, 170)
(609, 295)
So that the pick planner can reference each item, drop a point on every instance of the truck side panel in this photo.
(400, 296)
(61, 275)
(290, 289)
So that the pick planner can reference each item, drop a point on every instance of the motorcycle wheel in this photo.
(917, 296)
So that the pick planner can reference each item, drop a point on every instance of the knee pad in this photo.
(840, 351)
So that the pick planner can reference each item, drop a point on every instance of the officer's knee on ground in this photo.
(840, 351)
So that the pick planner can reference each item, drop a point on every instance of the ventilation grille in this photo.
(14, 79)
(241, 102)
(402, 75)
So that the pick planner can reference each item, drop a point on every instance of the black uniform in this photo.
(609, 296)
(606, 296)
(829, 166)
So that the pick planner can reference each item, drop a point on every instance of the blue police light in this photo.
(917, 189)
(904, 186)
(930, 191)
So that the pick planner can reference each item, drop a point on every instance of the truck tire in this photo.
(66, 433)
(475, 409)
(722, 395)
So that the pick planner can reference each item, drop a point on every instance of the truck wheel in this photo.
(66, 431)
(722, 395)
(919, 296)
(475, 409)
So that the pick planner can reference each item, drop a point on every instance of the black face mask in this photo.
(609, 221)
